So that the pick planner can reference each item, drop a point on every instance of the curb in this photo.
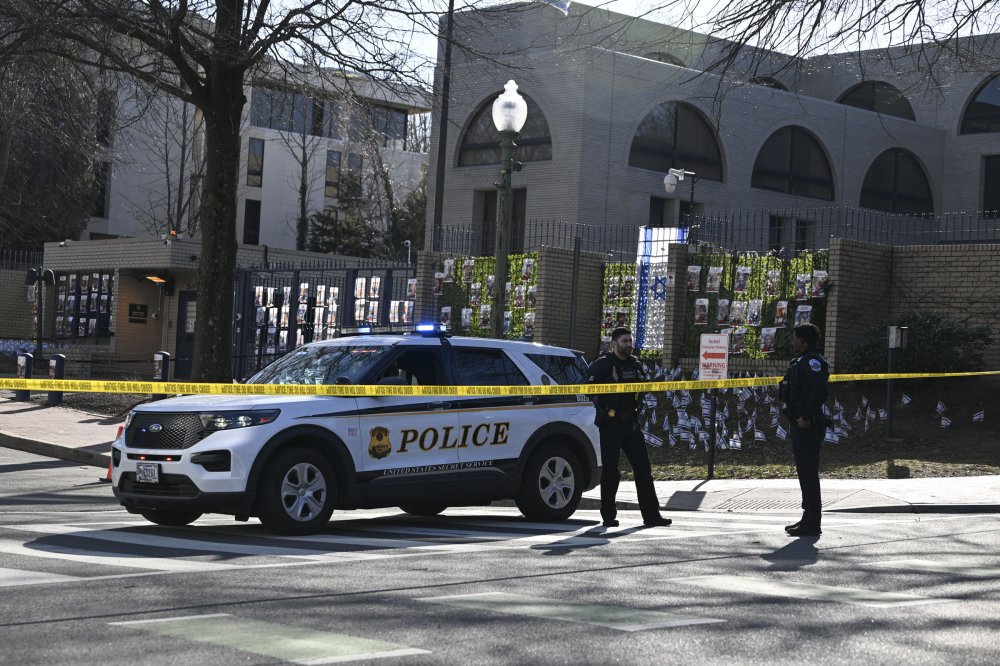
(594, 503)
(68, 453)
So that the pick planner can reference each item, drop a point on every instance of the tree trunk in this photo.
(213, 356)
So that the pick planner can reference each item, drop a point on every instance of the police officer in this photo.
(804, 391)
(618, 420)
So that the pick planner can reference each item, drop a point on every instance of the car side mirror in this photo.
(342, 380)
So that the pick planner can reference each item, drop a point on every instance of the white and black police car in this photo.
(292, 460)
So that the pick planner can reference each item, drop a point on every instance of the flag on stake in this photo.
(758, 436)
(945, 422)
(830, 437)
(980, 415)
(906, 399)
(864, 402)
(781, 433)
(941, 408)
(881, 414)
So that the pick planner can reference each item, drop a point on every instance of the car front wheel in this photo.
(297, 492)
(551, 487)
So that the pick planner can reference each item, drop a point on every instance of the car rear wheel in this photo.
(171, 518)
(422, 509)
(552, 486)
(297, 492)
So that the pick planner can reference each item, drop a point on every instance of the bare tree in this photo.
(204, 52)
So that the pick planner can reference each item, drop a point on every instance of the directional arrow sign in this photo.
(713, 361)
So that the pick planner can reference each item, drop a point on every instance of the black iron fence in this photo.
(282, 306)
(782, 230)
(12, 260)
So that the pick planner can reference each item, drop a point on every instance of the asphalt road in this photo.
(83, 582)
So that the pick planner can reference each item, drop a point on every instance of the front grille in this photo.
(177, 431)
(170, 485)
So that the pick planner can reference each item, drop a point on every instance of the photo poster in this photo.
(753, 312)
(722, 312)
(468, 268)
(608, 322)
(284, 316)
(300, 315)
(693, 278)
(714, 279)
(360, 287)
(742, 279)
(287, 293)
(448, 274)
(621, 317)
(771, 283)
(272, 340)
(261, 316)
(446, 315)
(272, 316)
(394, 312)
(269, 291)
(628, 286)
(700, 311)
(258, 296)
(466, 318)
(802, 287)
(737, 338)
(72, 283)
(527, 269)
(304, 292)
(282, 341)
(506, 322)
(519, 296)
(411, 289)
(490, 281)
(438, 283)
(374, 287)
(529, 325)
(531, 300)
(484, 315)
(317, 321)
(780, 314)
(408, 312)
(360, 310)
(803, 314)
(320, 295)
(475, 292)
(84, 283)
(372, 312)
(767, 339)
(737, 313)
(819, 280)
(613, 288)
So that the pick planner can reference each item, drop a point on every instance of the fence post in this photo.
(57, 370)
(24, 367)
(573, 289)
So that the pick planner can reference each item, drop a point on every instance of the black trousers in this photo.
(806, 444)
(618, 436)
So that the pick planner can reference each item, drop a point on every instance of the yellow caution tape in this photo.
(359, 390)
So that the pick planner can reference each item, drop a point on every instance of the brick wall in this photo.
(556, 296)
(16, 320)
(859, 293)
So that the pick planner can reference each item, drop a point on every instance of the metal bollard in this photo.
(161, 371)
(57, 370)
(24, 366)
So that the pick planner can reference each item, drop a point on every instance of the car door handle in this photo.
(438, 404)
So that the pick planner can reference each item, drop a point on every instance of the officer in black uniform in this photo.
(804, 391)
(618, 419)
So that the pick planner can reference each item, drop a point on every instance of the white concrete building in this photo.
(336, 128)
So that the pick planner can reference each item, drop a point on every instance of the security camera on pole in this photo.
(510, 111)
(670, 181)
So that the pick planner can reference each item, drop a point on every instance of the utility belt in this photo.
(608, 415)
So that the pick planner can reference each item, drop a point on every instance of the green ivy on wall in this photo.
(459, 294)
(618, 298)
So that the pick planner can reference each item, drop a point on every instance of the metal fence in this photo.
(784, 230)
(12, 260)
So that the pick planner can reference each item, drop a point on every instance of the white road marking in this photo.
(778, 588)
(940, 566)
(168, 619)
(13, 577)
(88, 556)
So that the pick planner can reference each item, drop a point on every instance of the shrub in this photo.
(936, 343)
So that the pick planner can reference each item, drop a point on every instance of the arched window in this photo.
(878, 97)
(896, 183)
(481, 141)
(983, 112)
(792, 161)
(768, 82)
(675, 134)
(665, 57)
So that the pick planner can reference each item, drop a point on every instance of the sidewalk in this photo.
(67, 434)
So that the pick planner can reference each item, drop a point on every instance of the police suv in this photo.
(291, 460)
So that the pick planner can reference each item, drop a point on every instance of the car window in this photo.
(562, 369)
(486, 367)
(321, 365)
(419, 367)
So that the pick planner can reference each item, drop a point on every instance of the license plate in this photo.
(147, 472)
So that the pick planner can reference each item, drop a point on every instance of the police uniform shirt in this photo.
(807, 382)
(605, 370)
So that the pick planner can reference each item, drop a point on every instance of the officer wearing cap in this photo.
(618, 420)
(804, 391)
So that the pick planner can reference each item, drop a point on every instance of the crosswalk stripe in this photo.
(12, 577)
(614, 617)
(778, 588)
(952, 567)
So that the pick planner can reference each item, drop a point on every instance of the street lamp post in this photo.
(37, 277)
(510, 111)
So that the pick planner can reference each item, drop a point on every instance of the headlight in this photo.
(212, 421)
(128, 419)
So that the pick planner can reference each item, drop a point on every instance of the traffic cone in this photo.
(108, 478)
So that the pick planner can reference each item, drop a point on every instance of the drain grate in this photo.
(760, 505)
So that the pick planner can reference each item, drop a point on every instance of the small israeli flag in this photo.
(906, 399)
(881, 414)
(758, 436)
(864, 402)
(979, 416)
(830, 437)
(653, 440)
(735, 443)
(941, 408)
(945, 422)
(781, 434)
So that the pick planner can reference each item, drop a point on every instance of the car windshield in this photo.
(322, 364)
